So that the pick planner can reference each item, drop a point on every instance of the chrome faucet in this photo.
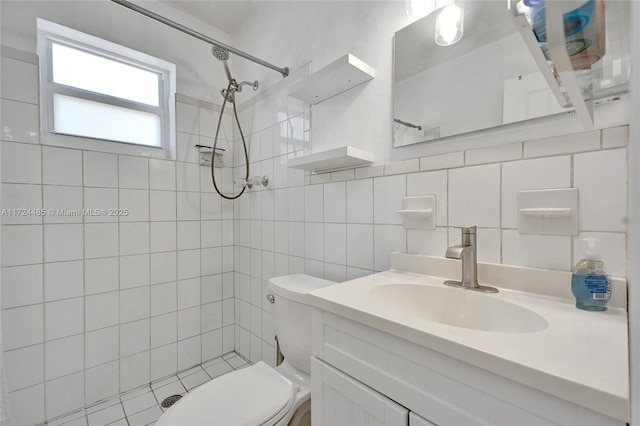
(467, 253)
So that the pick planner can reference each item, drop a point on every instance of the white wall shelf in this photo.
(345, 157)
(548, 211)
(337, 77)
(419, 212)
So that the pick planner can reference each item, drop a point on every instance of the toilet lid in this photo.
(256, 395)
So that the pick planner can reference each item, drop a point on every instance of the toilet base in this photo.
(302, 416)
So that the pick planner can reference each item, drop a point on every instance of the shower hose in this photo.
(229, 96)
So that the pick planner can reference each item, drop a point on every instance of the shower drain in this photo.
(170, 400)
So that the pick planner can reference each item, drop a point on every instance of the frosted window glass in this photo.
(81, 117)
(84, 70)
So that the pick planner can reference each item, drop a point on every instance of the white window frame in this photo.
(49, 32)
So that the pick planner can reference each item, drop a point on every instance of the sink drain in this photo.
(170, 400)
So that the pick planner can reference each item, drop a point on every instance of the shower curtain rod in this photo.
(284, 71)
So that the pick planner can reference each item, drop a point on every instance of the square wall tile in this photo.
(162, 174)
(189, 323)
(21, 163)
(360, 201)
(189, 293)
(314, 241)
(135, 371)
(335, 202)
(186, 147)
(211, 288)
(163, 206)
(211, 233)
(360, 246)
(134, 204)
(102, 382)
(296, 204)
(313, 203)
(163, 267)
(19, 81)
(133, 172)
(101, 275)
(189, 352)
(134, 271)
(65, 394)
(163, 298)
(188, 264)
(388, 239)
(164, 361)
(187, 177)
(543, 173)
(100, 169)
(134, 337)
(101, 346)
(188, 206)
(100, 240)
(20, 121)
(21, 197)
(134, 238)
(63, 242)
(22, 245)
(335, 243)
(65, 202)
(61, 166)
(536, 251)
(601, 179)
(64, 356)
(63, 318)
(27, 405)
(474, 196)
(164, 329)
(21, 285)
(429, 242)
(388, 197)
(210, 206)
(101, 310)
(134, 304)
(22, 326)
(24, 367)
(188, 235)
(162, 236)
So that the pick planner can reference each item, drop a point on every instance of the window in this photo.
(98, 95)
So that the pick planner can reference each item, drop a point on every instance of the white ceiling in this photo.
(223, 14)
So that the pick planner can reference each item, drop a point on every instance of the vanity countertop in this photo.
(580, 356)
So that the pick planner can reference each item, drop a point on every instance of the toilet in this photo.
(260, 394)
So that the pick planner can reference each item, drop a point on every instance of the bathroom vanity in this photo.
(399, 347)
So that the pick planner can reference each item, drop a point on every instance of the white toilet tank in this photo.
(292, 316)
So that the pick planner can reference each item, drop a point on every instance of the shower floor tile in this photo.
(141, 407)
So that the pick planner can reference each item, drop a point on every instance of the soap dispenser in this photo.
(590, 284)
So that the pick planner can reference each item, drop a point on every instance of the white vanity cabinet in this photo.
(362, 375)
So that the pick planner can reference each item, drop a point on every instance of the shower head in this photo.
(222, 55)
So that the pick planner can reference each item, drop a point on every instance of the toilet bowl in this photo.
(260, 394)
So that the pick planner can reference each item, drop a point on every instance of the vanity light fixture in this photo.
(449, 25)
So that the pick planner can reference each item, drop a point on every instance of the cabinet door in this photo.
(416, 420)
(338, 399)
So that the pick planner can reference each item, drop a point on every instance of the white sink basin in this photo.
(457, 308)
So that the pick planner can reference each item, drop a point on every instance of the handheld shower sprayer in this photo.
(223, 56)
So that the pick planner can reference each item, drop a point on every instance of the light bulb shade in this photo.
(449, 25)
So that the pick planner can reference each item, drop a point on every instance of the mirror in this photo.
(490, 77)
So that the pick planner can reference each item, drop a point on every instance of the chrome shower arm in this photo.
(284, 71)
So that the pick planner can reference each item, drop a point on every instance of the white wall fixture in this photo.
(419, 212)
(345, 157)
(339, 76)
(548, 211)
(204, 153)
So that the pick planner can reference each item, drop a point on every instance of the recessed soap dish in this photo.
(419, 212)
(548, 211)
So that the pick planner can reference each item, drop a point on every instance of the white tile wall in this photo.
(343, 225)
(92, 305)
